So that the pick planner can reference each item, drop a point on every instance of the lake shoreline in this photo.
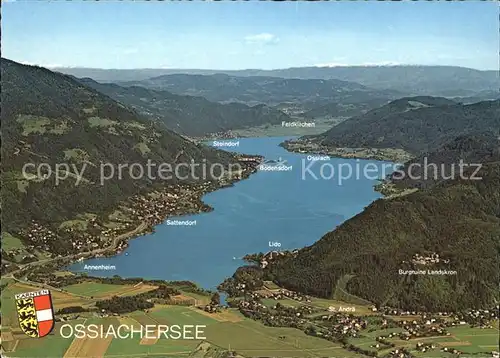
(304, 146)
(120, 242)
(250, 218)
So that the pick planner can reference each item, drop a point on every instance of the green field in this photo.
(482, 340)
(162, 348)
(51, 346)
(10, 242)
(95, 289)
(102, 290)
(252, 339)
(479, 342)
(227, 330)
(180, 315)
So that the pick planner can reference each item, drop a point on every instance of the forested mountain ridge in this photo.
(335, 109)
(415, 124)
(457, 219)
(429, 168)
(189, 115)
(50, 118)
(446, 81)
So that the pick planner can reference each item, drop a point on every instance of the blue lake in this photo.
(281, 206)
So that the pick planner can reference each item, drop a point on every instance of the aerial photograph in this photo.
(247, 179)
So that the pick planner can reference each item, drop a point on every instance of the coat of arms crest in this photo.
(35, 313)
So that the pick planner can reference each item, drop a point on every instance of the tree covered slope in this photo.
(415, 124)
(50, 118)
(189, 115)
(459, 220)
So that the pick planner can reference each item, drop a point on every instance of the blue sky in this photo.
(239, 35)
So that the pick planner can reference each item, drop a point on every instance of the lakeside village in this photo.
(305, 145)
(344, 325)
(217, 135)
(340, 322)
(274, 306)
(108, 235)
(247, 291)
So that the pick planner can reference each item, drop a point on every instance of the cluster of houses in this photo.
(309, 146)
(345, 325)
(168, 202)
(253, 305)
(389, 311)
(95, 235)
(479, 317)
(454, 351)
(282, 294)
(400, 353)
(85, 241)
(277, 316)
(292, 109)
(298, 311)
(212, 307)
(40, 236)
(249, 159)
(334, 326)
(424, 347)
(18, 255)
(172, 200)
(273, 255)
(429, 259)
(419, 331)
(219, 135)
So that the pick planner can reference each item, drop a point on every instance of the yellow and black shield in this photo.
(35, 313)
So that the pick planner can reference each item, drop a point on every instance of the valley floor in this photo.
(226, 330)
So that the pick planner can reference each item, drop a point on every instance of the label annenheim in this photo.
(99, 267)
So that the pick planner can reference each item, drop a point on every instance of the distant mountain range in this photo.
(189, 115)
(448, 81)
(51, 118)
(268, 90)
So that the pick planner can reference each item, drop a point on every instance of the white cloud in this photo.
(263, 38)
